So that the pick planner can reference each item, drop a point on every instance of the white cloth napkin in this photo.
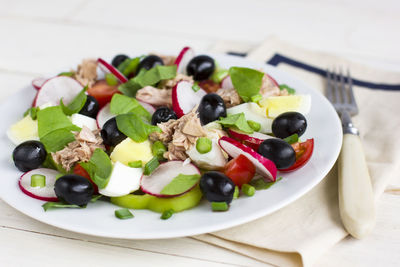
(301, 232)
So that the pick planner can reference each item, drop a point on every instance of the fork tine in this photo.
(329, 86)
(344, 91)
(338, 99)
(350, 84)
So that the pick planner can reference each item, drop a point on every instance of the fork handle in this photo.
(356, 199)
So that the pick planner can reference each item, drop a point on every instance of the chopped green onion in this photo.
(67, 73)
(135, 164)
(167, 214)
(196, 87)
(290, 90)
(95, 198)
(219, 206)
(158, 149)
(151, 166)
(38, 180)
(123, 214)
(32, 112)
(203, 145)
(254, 125)
(219, 75)
(248, 190)
(294, 138)
(256, 98)
(111, 79)
(260, 184)
(236, 193)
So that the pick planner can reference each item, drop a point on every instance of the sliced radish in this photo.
(273, 80)
(45, 193)
(252, 140)
(164, 174)
(111, 69)
(104, 115)
(56, 88)
(184, 98)
(148, 107)
(183, 59)
(37, 83)
(227, 83)
(265, 167)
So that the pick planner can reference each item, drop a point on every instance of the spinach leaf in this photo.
(133, 126)
(237, 121)
(76, 104)
(99, 168)
(247, 82)
(260, 184)
(181, 184)
(121, 104)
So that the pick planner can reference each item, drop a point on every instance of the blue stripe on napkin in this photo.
(278, 58)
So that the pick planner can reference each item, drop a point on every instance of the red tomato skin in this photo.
(240, 170)
(103, 92)
(302, 156)
(79, 170)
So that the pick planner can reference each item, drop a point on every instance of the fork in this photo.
(356, 199)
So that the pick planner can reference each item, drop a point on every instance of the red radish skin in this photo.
(46, 193)
(252, 140)
(273, 80)
(184, 99)
(226, 83)
(111, 69)
(164, 174)
(183, 59)
(56, 88)
(37, 83)
(265, 167)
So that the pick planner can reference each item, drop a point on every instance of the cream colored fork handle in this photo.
(356, 199)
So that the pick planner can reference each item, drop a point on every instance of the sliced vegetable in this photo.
(203, 145)
(252, 140)
(123, 214)
(103, 92)
(167, 214)
(304, 152)
(151, 166)
(184, 99)
(135, 164)
(261, 184)
(38, 180)
(45, 193)
(241, 170)
(248, 190)
(158, 149)
(108, 68)
(183, 59)
(219, 206)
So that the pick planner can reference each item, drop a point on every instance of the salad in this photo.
(158, 132)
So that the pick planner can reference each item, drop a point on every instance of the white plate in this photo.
(98, 219)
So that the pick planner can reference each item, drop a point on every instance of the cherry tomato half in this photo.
(209, 86)
(103, 92)
(241, 170)
(79, 170)
(303, 151)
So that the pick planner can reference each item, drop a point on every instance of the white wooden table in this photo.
(38, 37)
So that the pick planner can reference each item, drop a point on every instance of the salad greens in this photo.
(121, 104)
(99, 168)
(147, 77)
(76, 104)
(32, 112)
(238, 121)
(247, 82)
(133, 126)
(129, 66)
(290, 90)
(180, 184)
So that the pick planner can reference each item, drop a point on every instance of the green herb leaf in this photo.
(58, 205)
(99, 168)
(260, 184)
(129, 66)
(66, 73)
(237, 121)
(32, 112)
(290, 90)
(180, 184)
(121, 104)
(147, 77)
(247, 82)
(196, 87)
(76, 104)
(219, 75)
(133, 126)
(150, 166)
(135, 164)
(54, 128)
(50, 164)
(111, 79)
(95, 198)
(294, 138)
(123, 214)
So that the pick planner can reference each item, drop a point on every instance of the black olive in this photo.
(91, 107)
(211, 108)
(118, 59)
(217, 187)
(289, 123)
(74, 189)
(201, 67)
(110, 133)
(163, 114)
(29, 155)
(280, 152)
(150, 62)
